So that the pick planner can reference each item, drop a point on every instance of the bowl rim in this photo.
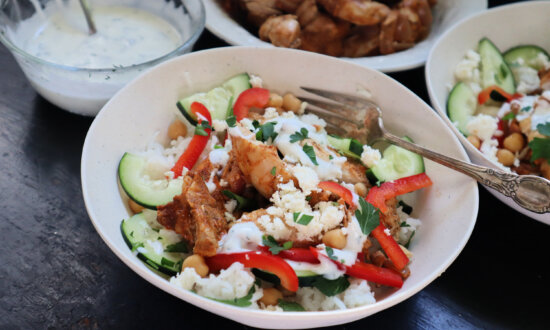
(442, 108)
(205, 303)
(201, 20)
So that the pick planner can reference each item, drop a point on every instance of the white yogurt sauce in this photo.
(125, 36)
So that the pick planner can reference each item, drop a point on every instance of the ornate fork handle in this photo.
(529, 191)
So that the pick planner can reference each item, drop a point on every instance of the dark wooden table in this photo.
(56, 272)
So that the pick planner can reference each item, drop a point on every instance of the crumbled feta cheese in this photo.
(219, 125)
(370, 156)
(312, 120)
(274, 226)
(482, 126)
(467, 71)
(255, 81)
(230, 205)
(290, 199)
(307, 178)
(489, 148)
(210, 183)
(527, 77)
(270, 113)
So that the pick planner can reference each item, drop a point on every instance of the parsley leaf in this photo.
(509, 115)
(255, 123)
(289, 306)
(266, 131)
(404, 224)
(330, 253)
(274, 247)
(526, 108)
(217, 146)
(201, 128)
(305, 219)
(310, 152)
(242, 202)
(299, 136)
(331, 287)
(231, 121)
(368, 216)
(540, 148)
(409, 240)
(239, 302)
(274, 170)
(177, 247)
(544, 129)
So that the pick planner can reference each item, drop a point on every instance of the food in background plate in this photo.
(253, 204)
(501, 103)
(350, 28)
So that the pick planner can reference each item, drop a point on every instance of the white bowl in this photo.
(452, 46)
(446, 13)
(147, 105)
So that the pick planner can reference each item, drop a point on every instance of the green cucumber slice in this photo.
(528, 53)
(346, 146)
(217, 100)
(142, 191)
(152, 245)
(461, 106)
(398, 163)
(494, 70)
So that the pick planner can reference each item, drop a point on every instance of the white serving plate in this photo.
(446, 13)
(147, 105)
(452, 46)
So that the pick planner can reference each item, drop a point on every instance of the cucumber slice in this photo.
(494, 70)
(216, 100)
(152, 245)
(305, 277)
(461, 106)
(398, 163)
(346, 146)
(147, 193)
(528, 53)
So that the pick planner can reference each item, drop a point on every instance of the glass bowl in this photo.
(82, 90)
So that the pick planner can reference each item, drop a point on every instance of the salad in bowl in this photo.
(276, 208)
(252, 203)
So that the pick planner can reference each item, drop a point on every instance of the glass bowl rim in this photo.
(201, 20)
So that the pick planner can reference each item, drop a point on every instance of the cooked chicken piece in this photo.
(307, 11)
(195, 215)
(259, 10)
(360, 12)
(363, 41)
(257, 160)
(324, 35)
(387, 33)
(408, 26)
(233, 175)
(287, 6)
(281, 31)
(354, 172)
(424, 12)
(390, 219)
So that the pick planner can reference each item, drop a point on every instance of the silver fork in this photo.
(362, 119)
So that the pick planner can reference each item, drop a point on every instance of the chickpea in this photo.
(474, 140)
(525, 125)
(360, 189)
(291, 103)
(271, 296)
(135, 207)
(197, 262)
(545, 169)
(505, 157)
(514, 142)
(335, 238)
(275, 100)
(177, 128)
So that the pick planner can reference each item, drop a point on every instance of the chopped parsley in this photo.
(310, 152)
(509, 116)
(526, 108)
(231, 121)
(368, 216)
(299, 136)
(274, 247)
(544, 129)
(330, 253)
(239, 302)
(304, 219)
(540, 148)
(331, 287)
(218, 147)
(242, 202)
(274, 170)
(289, 306)
(266, 131)
(404, 224)
(409, 240)
(201, 128)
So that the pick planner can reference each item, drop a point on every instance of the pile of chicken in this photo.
(200, 215)
(351, 28)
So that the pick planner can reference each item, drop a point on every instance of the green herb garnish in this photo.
(525, 108)
(304, 219)
(331, 287)
(299, 136)
(409, 240)
(509, 116)
(239, 302)
(368, 216)
(274, 170)
(242, 202)
(289, 306)
(274, 247)
(201, 128)
(266, 131)
(310, 152)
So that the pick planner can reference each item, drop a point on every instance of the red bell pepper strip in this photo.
(390, 246)
(260, 260)
(294, 254)
(369, 272)
(337, 189)
(485, 94)
(378, 196)
(253, 97)
(197, 144)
